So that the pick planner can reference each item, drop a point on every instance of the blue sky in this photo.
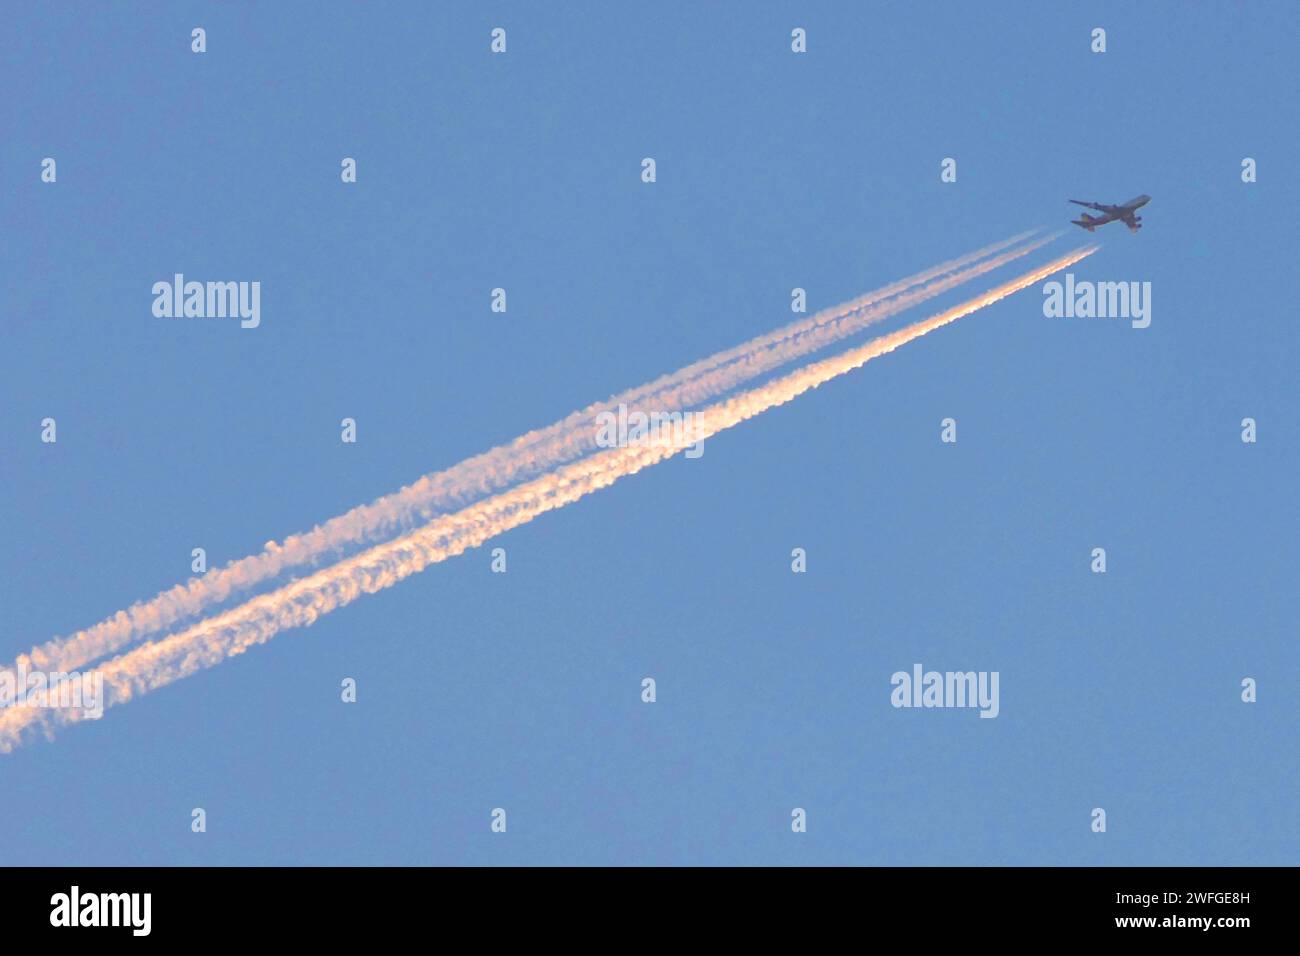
(775, 170)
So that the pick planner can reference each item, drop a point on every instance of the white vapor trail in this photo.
(529, 455)
(161, 662)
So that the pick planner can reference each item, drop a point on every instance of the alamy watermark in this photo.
(69, 690)
(656, 429)
(922, 688)
(1101, 300)
(209, 300)
(130, 910)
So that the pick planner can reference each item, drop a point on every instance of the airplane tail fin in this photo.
(1087, 222)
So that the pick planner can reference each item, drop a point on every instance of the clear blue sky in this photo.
(774, 170)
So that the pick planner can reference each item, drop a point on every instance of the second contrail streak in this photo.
(526, 457)
(161, 662)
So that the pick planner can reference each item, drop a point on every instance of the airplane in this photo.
(1124, 214)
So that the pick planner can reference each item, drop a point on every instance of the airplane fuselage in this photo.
(1125, 213)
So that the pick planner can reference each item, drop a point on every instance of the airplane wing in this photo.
(1091, 205)
(1090, 222)
(1131, 221)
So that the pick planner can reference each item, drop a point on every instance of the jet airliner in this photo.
(1125, 213)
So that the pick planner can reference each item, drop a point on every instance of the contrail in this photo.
(161, 662)
(532, 454)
